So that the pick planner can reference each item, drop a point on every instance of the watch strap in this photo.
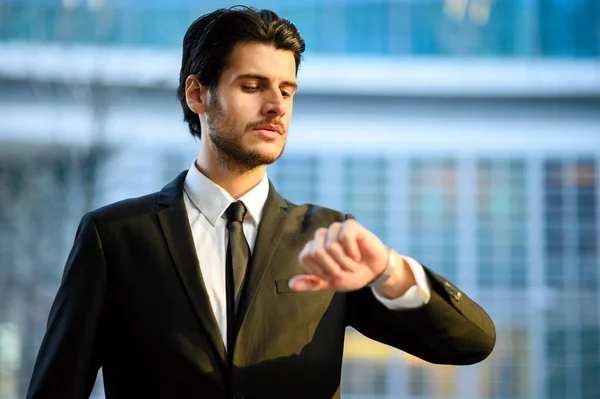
(387, 272)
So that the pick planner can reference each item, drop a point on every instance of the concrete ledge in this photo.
(327, 75)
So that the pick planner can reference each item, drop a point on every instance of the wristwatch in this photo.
(387, 273)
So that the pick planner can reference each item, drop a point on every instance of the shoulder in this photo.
(316, 214)
(127, 209)
(139, 207)
(111, 220)
(134, 214)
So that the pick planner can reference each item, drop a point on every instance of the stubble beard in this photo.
(227, 140)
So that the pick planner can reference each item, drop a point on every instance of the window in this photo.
(433, 217)
(296, 177)
(506, 373)
(365, 368)
(590, 362)
(365, 192)
(570, 223)
(502, 223)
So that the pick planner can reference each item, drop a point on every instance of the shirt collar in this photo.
(213, 200)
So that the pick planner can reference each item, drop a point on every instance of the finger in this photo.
(333, 233)
(328, 268)
(305, 253)
(308, 261)
(318, 239)
(310, 266)
(345, 263)
(307, 284)
(334, 248)
(347, 238)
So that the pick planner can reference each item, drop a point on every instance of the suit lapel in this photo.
(269, 234)
(178, 235)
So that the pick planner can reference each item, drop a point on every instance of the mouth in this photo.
(270, 128)
(269, 132)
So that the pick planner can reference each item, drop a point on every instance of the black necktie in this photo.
(238, 254)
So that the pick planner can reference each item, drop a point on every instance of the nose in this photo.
(274, 104)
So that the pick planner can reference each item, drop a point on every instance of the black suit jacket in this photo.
(132, 301)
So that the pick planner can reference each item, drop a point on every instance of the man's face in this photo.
(249, 113)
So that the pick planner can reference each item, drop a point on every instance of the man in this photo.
(218, 287)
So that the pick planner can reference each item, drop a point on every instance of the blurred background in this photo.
(465, 133)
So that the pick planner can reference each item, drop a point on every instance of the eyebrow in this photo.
(265, 79)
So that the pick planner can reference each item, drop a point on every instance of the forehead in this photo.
(261, 59)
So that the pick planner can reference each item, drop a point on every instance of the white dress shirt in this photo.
(206, 203)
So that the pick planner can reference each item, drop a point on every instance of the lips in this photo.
(272, 128)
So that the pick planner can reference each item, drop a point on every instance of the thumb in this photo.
(307, 283)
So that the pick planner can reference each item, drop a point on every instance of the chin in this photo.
(269, 156)
(272, 148)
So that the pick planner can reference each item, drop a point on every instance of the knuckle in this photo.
(334, 247)
(304, 256)
(346, 238)
(348, 226)
(350, 222)
(320, 253)
(320, 231)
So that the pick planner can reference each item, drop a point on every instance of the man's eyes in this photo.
(252, 89)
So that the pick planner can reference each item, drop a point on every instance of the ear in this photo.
(195, 95)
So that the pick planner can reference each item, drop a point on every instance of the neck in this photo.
(234, 178)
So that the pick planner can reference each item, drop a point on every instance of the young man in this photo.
(218, 287)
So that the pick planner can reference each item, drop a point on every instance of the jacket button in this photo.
(454, 293)
(238, 395)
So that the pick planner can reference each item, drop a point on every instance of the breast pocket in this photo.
(282, 286)
(307, 308)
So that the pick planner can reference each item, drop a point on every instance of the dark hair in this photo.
(211, 38)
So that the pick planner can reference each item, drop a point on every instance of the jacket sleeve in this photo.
(450, 329)
(69, 357)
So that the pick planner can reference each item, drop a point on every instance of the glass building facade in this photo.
(506, 28)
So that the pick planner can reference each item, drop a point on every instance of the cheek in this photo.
(244, 112)
(287, 118)
(234, 117)
(288, 111)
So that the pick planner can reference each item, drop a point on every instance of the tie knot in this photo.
(236, 212)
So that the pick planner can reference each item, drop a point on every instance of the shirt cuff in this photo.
(416, 296)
